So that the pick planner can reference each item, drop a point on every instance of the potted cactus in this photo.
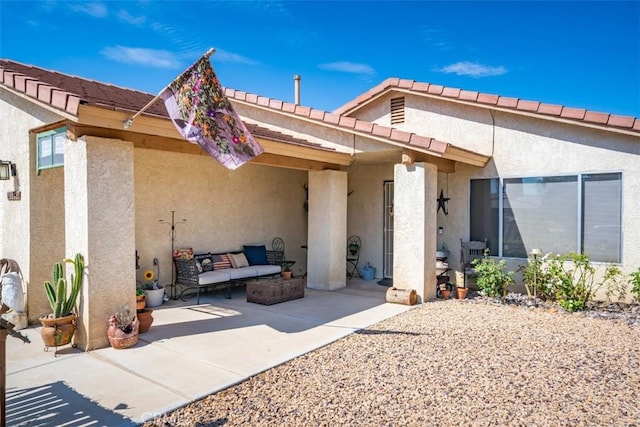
(59, 326)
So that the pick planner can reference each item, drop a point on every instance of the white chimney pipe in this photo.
(296, 85)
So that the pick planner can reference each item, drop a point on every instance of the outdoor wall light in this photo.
(7, 170)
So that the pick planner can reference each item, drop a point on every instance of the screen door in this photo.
(388, 230)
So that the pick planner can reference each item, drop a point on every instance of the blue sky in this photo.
(579, 54)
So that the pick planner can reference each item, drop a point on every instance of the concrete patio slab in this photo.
(190, 352)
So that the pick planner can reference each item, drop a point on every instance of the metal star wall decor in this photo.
(442, 203)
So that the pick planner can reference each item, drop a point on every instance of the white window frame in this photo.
(52, 135)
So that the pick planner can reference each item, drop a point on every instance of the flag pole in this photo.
(127, 123)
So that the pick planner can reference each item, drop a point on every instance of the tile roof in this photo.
(411, 140)
(518, 105)
(66, 93)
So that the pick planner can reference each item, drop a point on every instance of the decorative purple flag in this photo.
(202, 113)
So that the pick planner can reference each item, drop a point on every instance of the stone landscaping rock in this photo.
(447, 363)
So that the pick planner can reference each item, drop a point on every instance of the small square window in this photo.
(50, 148)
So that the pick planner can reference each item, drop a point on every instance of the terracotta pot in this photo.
(140, 302)
(118, 338)
(57, 331)
(446, 294)
(146, 319)
(286, 275)
(461, 293)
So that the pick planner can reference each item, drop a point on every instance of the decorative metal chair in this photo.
(470, 251)
(354, 244)
(278, 248)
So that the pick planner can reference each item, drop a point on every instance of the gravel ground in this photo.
(447, 363)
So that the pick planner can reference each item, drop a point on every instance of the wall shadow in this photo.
(56, 404)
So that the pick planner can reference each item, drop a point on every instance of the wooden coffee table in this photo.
(273, 291)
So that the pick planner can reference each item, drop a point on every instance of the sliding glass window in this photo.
(558, 214)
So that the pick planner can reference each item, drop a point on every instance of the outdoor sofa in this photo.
(213, 271)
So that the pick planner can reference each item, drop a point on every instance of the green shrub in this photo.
(492, 278)
(614, 282)
(572, 280)
(635, 284)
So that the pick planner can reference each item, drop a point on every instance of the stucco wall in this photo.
(451, 122)
(224, 209)
(414, 222)
(327, 229)
(526, 147)
(47, 242)
(520, 146)
(365, 210)
(32, 228)
(100, 225)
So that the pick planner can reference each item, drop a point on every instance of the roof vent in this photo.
(296, 87)
(397, 111)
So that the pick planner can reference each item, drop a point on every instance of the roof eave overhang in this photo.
(45, 105)
(153, 132)
(449, 152)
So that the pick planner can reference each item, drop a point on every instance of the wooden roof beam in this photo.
(443, 165)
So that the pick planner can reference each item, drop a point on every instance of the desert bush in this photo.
(492, 278)
(572, 281)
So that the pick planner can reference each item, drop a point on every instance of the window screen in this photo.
(602, 216)
(557, 214)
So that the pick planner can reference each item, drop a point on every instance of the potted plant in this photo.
(59, 327)
(461, 289)
(140, 299)
(286, 270)
(123, 329)
(154, 293)
(445, 293)
(144, 314)
(145, 318)
(461, 292)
